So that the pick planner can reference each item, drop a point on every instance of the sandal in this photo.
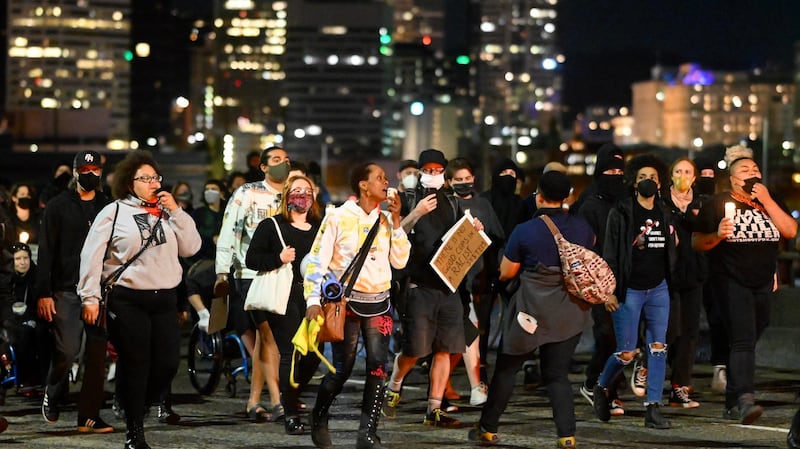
(276, 413)
(258, 413)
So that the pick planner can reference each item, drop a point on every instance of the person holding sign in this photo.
(541, 314)
(741, 229)
(433, 316)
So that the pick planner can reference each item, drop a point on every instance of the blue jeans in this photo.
(654, 305)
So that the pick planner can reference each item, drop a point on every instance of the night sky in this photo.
(609, 44)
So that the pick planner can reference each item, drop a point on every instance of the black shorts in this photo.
(238, 319)
(433, 322)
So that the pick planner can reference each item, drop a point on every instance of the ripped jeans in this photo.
(653, 306)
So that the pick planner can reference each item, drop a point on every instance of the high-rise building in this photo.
(68, 73)
(519, 81)
(693, 108)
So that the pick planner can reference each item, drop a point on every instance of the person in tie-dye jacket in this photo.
(341, 234)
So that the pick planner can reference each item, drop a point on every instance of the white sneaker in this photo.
(639, 379)
(479, 394)
(719, 381)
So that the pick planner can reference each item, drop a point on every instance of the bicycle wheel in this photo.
(205, 360)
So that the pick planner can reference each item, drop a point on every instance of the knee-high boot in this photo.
(134, 435)
(374, 390)
(319, 418)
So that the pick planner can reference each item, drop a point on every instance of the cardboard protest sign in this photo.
(461, 247)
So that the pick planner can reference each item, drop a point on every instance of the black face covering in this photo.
(705, 186)
(88, 181)
(647, 188)
(463, 189)
(62, 180)
(749, 183)
(612, 186)
(25, 203)
(506, 184)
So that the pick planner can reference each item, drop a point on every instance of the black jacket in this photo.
(426, 238)
(621, 232)
(65, 225)
(691, 271)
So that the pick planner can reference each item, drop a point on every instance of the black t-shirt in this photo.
(648, 258)
(751, 254)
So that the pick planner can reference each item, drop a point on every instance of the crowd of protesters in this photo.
(677, 238)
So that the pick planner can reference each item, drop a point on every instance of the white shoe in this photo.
(639, 379)
(719, 381)
(479, 394)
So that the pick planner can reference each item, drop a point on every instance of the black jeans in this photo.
(143, 326)
(283, 329)
(746, 318)
(376, 332)
(718, 333)
(555, 359)
(68, 330)
(683, 332)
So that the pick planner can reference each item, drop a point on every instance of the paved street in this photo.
(217, 421)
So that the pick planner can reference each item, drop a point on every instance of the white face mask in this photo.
(211, 196)
(409, 182)
(432, 181)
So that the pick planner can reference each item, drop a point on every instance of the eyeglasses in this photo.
(20, 247)
(149, 179)
(302, 191)
(432, 171)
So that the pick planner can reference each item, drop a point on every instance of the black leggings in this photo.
(143, 326)
(283, 329)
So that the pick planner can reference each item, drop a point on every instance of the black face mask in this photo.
(749, 183)
(705, 186)
(24, 203)
(464, 189)
(612, 186)
(506, 184)
(62, 180)
(647, 188)
(88, 181)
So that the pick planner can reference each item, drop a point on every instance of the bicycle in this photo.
(211, 355)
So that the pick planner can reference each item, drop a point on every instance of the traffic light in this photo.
(128, 55)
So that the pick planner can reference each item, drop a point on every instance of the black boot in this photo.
(319, 419)
(653, 418)
(165, 414)
(371, 414)
(793, 439)
(134, 435)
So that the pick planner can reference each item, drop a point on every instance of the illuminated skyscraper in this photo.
(518, 71)
(68, 73)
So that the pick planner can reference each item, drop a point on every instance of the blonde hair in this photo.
(735, 153)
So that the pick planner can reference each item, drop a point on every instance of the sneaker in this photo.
(719, 380)
(390, 402)
(479, 394)
(484, 438)
(94, 425)
(680, 398)
(448, 406)
(587, 393)
(49, 407)
(639, 379)
(440, 418)
(749, 413)
(602, 408)
(566, 443)
(616, 408)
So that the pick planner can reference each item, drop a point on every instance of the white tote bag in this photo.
(270, 289)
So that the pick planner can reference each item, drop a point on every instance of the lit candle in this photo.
(730, 210)
(24, 236)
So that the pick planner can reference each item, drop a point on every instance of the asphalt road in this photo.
(218, 421)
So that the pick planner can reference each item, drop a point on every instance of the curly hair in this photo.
(647, 160)
(125, 170)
